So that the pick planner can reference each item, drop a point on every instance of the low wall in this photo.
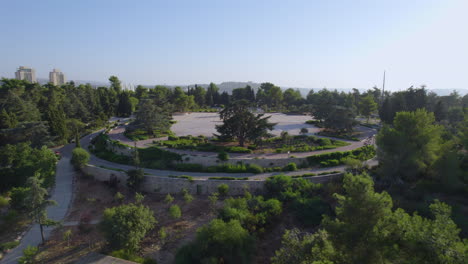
(161, 184)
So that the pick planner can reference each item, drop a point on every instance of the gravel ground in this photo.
(204, 124)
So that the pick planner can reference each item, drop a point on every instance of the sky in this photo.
(308, 44)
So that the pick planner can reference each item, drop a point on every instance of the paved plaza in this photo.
(196, 124)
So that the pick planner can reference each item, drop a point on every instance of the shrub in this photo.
(290, 167)
(254, 168)
(324, 142)
(223, 189)
(80, 158)
(304, 130)
(175, 212)
(362, 153)
(28, 255)
(310, 210)
(169, 199)
(218, 240)
(330, 163)
(3, 202)
(9, 245)
(18, 198)
(118, 197)
(223, 156)
(238, 150)
(125, 226)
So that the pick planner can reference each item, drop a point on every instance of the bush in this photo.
(125, 226)
(18, 198)
(28, 255)
(362, 153)
(324, 142)
(80, 158)
(3, 202)
(330, 163)
(216, 241)
(169, 199)
(310, 210)
(290, 167)
(223, 189)
(8, 245)
(175, 212)
(254, 213)
(223, 156)
(254, 168)
(238, 150)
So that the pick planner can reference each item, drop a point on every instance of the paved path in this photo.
(62, 194)
(85, 141)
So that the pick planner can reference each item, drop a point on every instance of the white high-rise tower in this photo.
(26, 73)
(56, 77)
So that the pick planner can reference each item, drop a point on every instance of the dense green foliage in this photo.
(218, 242)
(19, 162)
(367, 230)
(303, 197)
(253, 212)
(339, 157)
(409, 148)
(126, 225)
(80, 157)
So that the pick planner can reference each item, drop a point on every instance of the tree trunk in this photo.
(42, 233)
(241, 142)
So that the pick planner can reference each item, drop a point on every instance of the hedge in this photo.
(362, 153)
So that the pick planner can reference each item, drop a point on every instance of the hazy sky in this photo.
(312, 44)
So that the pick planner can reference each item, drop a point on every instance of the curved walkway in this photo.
(85, 141)
(62, 194)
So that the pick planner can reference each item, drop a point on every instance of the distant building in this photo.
(25, 73)
(56, 77)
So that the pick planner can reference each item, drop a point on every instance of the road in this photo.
(62, 194)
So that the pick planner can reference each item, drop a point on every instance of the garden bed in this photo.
(299, 143)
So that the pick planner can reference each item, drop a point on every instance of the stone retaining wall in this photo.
(161, 184)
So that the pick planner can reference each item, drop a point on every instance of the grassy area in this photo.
(339, 157)
(299, 143)
(229, 178)
(338, 135)
(140, 134)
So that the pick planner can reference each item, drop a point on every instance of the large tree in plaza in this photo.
(152, 118)
(241, 124)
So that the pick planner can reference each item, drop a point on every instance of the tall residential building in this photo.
(56, 77)
(25, 73)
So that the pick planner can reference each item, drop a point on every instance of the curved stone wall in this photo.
(161, 184)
